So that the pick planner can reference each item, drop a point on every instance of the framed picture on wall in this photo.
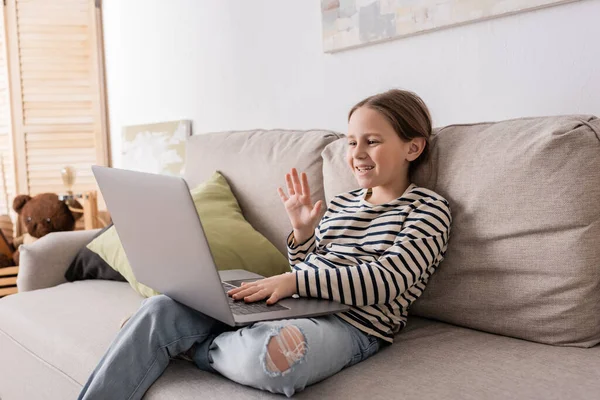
(157, 148)
(353, 23)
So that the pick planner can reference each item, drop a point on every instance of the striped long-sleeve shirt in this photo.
(375, 258)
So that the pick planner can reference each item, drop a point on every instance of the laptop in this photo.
(162, 235)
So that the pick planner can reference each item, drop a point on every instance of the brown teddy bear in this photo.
(41, 215)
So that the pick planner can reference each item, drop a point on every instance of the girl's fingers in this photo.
(317, 208)
(284, 198)
(244, 290)
(296, 180)
(260, 295)
(290, 185)
(305, 188)
(273, 299)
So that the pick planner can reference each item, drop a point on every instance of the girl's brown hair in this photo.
(407, 113)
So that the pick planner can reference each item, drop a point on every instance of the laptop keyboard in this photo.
(241, 307)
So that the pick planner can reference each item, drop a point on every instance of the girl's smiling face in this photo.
(378, 158)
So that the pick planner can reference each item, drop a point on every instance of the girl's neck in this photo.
(385, 194)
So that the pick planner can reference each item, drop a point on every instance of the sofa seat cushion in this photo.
(70, 327)
(435, 360)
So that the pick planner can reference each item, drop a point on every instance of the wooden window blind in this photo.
(57, 91)
(7, 175)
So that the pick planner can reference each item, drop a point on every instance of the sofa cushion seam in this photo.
(48, 364)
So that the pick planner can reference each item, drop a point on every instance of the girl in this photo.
(374, 249)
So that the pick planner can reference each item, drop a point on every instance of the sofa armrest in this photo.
(43, 263)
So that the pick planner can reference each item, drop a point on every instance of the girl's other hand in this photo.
(303, 215)
(273, 289)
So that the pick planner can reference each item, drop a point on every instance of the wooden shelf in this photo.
(8, 290)
(8, 281)
(8, 271)
(11, 281)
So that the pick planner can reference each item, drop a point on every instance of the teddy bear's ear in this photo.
(20, 201)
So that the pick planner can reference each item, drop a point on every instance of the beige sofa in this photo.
(513, 312)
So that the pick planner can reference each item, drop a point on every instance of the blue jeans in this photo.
(281, 356)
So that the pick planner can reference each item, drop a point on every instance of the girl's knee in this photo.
(266, 355)
(157, 303)
(284, 349)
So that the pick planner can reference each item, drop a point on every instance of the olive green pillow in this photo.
(234, 243)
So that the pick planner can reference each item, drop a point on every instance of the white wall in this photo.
(238, 64)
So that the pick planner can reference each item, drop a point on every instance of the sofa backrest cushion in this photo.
(255, 163)
(337, 176)
(523, 258)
